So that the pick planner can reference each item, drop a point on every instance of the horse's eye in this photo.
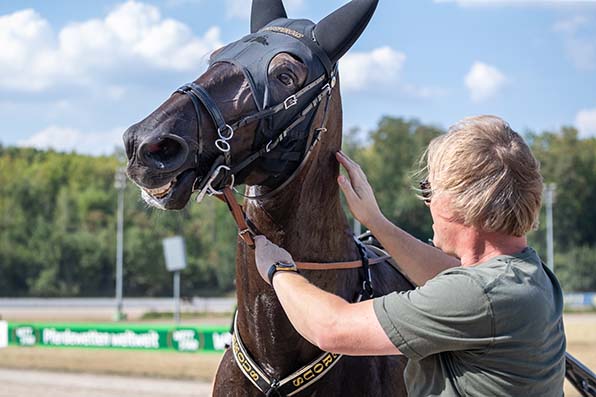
(286, 79)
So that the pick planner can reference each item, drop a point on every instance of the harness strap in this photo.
(273, 143)
(210, 105)
(365, 274)
(339, 265)
(286, 104)
(245, 232)
(291, 384)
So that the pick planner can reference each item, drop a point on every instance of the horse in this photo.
(267, 114)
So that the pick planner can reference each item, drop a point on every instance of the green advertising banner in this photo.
(120, 336)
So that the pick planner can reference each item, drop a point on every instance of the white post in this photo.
(549, 198)
(120, 184)
(177, 297)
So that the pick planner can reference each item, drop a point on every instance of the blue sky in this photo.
(74, 75)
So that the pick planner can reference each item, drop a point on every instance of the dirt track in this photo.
(25, 383)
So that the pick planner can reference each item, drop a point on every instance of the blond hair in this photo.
(490, 174)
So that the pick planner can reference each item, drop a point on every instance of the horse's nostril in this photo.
(164, 152)
(128, 143)
(153, 148)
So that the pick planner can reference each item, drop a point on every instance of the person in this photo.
(486, 317)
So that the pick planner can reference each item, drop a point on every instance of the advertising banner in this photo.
(119, 336)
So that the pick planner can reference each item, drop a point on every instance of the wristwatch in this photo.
(281, 267)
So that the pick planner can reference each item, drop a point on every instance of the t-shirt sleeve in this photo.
(450, 312)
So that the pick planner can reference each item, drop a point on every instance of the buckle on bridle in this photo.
(290, 101)
(223, 145)
(210, 190)
(225, 128)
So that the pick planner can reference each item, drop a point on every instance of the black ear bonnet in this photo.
(253, 54)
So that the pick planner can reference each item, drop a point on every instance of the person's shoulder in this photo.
(456, 288)
(479, 276)
(499, 269)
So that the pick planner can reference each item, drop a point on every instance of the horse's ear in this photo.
(265, 11)
(338, 31)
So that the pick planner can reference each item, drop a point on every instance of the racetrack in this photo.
(26, 383)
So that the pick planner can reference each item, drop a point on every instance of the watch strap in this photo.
(280, 266)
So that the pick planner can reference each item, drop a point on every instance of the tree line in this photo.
(58, 216)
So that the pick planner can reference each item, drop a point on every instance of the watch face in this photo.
(281, 266)
(285, 265)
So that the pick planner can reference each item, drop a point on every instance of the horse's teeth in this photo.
(160, 191)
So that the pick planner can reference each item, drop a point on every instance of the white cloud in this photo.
(361, 70)
(579, 45)
(241, 8)
(133, 35)
(484, 81)
(585, 121)
(570, 25)
(65, 139)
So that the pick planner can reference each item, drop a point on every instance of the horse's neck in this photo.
(306, 218)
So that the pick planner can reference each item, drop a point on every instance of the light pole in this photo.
(120, 185)
(549, 194)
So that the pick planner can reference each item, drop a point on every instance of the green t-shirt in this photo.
(494, 329)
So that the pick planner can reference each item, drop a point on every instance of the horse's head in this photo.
(248, 118)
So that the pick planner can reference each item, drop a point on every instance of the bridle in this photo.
(223, 169)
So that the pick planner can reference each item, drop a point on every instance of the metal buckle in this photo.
(246, 236)
(222, 145)
(228, 128)
(290, 101)
(208, 189)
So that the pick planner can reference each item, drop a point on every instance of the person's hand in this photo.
(266, 254)
(359, 194)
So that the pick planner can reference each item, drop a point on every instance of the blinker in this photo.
(253, 55)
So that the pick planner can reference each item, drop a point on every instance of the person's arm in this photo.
(325, 320)
(329, 322)
(420, 261)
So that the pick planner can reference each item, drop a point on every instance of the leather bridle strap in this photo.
(339, 265)
(247, 231)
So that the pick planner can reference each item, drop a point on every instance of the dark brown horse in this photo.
(227, 128)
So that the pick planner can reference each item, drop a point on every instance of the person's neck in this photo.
(481, 246)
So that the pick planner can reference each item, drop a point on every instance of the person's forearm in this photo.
(309, 308)
(418, 260)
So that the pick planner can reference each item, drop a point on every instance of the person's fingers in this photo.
(354, 171)
(345, 161)
(260, 242)
(349, 160)
(347, 189)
